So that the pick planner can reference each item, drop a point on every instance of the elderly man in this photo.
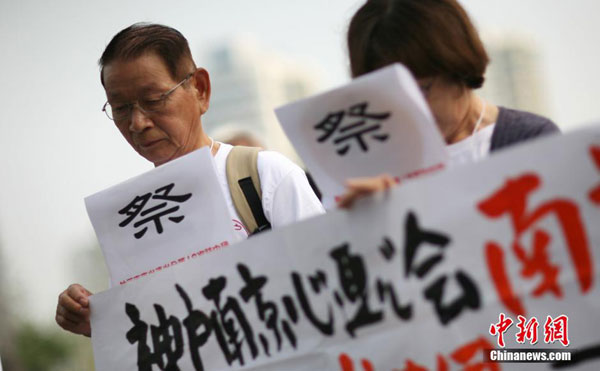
(156, 97)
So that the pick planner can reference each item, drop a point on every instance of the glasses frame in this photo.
(163, 97)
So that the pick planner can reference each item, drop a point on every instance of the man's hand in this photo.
(73, 310)
(361, 187)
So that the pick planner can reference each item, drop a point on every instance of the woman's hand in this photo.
(361, 187)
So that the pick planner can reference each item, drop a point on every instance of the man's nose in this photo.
(139, 119)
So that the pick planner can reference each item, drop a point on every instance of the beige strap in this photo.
(242, 163)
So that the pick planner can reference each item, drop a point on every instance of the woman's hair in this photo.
(430, 37)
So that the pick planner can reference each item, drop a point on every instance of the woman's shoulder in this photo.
(514, 126)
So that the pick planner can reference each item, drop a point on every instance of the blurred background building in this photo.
(248, 83)
(515, 75)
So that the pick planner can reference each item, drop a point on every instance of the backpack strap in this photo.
(244, 186)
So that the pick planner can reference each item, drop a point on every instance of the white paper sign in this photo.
(416, 277)
(378, 123)
(161, 218)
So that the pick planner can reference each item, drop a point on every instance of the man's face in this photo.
(170, 132)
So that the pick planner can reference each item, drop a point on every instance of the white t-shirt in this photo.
(286, 195)
(471, 149)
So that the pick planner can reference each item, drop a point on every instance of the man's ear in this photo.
(201, 81)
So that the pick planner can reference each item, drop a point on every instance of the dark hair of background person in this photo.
(140, 38)
(430, 37)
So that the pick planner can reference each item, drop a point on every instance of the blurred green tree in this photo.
(51, 349)
(40, 349)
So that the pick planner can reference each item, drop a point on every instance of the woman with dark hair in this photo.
(437, 42)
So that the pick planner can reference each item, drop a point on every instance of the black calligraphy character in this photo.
(267, 310)
(290, 308)
(353, 278)
(387, 249)
(329, 124)
(193, 322)
(227, 329)
(292, 312)
(166, 190)
(325, 327)
(469, 297)
(415, 237)
(357, 126)
(386, 289)
(133, 209)
(167, 340)
(137, 208)
(139, 334)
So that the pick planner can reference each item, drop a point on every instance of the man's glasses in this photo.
(122, 112)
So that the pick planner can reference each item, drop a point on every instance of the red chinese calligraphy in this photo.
(411, 366)
(595, 192)
(556, 329)
(527, 330)
(464, 356)
(511, 199)
(468, 351)
(494, 256)
(346, 363)
(500, 328)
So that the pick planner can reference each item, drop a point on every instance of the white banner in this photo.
(162, 218)
(426, 276)
(350, 131)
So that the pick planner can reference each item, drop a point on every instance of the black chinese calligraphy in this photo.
(267, 310)
(353, 278)
(231, 326)
(324, 326)
(386, 290)
(241, 318)
(226, 322)
(167, 342)
(195, 321)
(138, 334)
(352, 295)
(139, 208)
(418, 238)
(352, 124)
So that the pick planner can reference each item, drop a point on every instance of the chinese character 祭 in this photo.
(354, 123)
(152, 213)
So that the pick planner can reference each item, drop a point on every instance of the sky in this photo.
(57, 147)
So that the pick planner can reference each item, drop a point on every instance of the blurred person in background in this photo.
(236, 135)
(437, 42)
(156, 97)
